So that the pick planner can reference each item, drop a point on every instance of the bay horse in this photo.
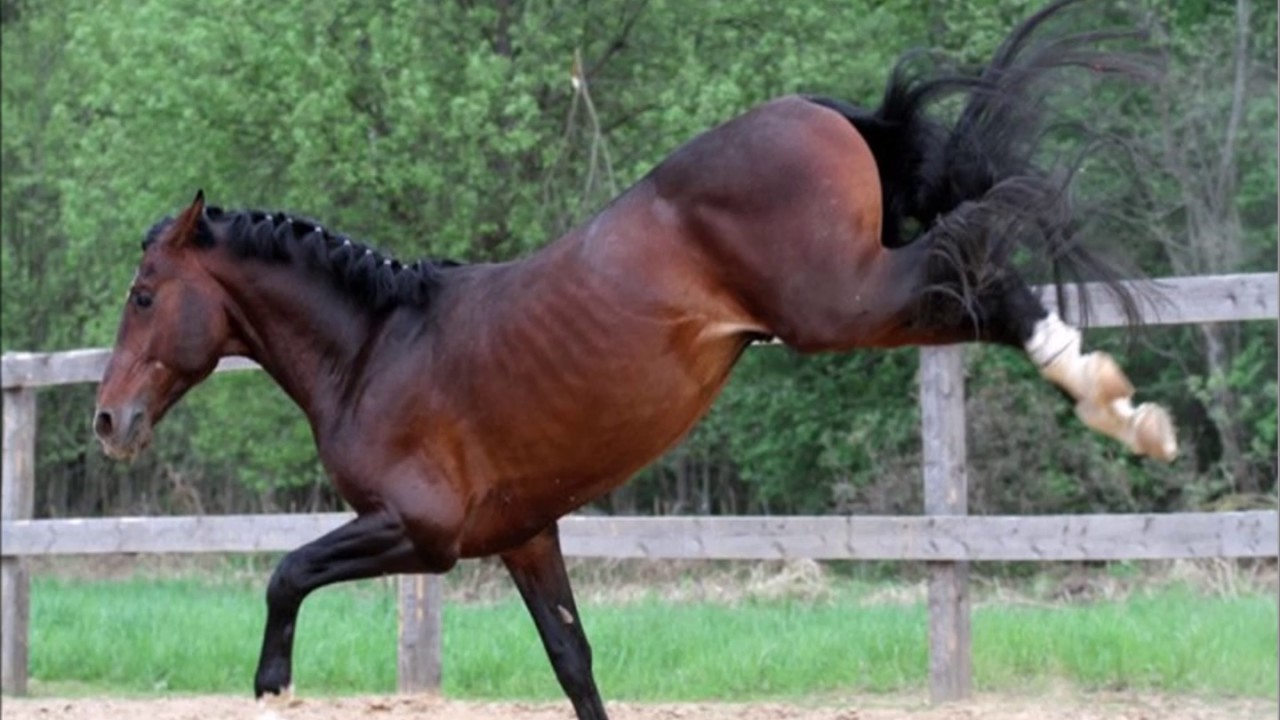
(461, 410)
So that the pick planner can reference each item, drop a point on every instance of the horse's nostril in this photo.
(103, 424)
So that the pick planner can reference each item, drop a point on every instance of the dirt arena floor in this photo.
(1110, 706)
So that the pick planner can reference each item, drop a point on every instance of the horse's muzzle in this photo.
(123, 432)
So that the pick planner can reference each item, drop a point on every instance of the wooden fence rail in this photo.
(928, 538)
(946, 537)
(1175, 301)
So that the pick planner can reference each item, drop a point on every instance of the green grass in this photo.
(147, 636)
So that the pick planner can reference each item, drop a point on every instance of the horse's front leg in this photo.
(368, 546)
(538, 570)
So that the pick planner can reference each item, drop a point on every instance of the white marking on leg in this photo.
(565, 616)
(266, 711)
(270, 703)
(1102, 392)
(1052, 337)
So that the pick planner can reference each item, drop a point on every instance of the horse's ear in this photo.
(186, 229)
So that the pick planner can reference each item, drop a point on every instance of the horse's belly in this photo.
(589, 441)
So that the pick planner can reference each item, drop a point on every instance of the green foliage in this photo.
(970, 31)
(262, 450)
(453, 129)
(1251, 377)
(806, 439)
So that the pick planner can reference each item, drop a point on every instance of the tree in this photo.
(457, 129)
(1206, 190)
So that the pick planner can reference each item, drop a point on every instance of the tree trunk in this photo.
(1224, 408)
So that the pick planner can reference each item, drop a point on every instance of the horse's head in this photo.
(174, 330)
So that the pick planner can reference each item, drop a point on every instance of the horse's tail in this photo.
(979, 184)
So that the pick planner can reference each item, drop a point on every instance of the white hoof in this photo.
(1102, 391)
(270, 706)
(1146, 430)
(1153, 433)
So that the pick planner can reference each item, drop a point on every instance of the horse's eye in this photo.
(142, 300)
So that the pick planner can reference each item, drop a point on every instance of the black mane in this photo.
(369, 276)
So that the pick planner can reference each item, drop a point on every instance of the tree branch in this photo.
(1226, 162)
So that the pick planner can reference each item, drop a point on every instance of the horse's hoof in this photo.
(1153, 432)
(1107, 382)
(273, 679)
(271, 704)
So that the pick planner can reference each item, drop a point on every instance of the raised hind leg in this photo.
(920, 299)
(538, 570)
(1102, 391)
(368, 546)
(1009, 313)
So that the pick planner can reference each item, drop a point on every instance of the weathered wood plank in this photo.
(946, 493)
(950, 637)
(18, 482)
(418, 668)
(891, 537)
(17, 500)
(75, 366)
(1181, 300)
(946, 480)
(723, 538)
(199, 534)
(1218, 298)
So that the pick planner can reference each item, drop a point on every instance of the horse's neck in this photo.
(303, 334)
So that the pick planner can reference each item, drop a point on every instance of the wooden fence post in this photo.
(17, 501)
(946, 493)
(421, 618)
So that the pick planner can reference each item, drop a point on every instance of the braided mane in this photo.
(368, 275)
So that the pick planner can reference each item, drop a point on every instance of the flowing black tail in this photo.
(979, 186)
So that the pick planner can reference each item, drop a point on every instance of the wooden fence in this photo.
(945, 537)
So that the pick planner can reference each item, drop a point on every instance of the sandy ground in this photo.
(1110, 706)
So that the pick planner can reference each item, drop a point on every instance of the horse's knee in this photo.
(286, 587)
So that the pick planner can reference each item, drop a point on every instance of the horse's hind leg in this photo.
(1102, 392)
(918, 295)
(368, 546)
(538, 570)
(1009, 313)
